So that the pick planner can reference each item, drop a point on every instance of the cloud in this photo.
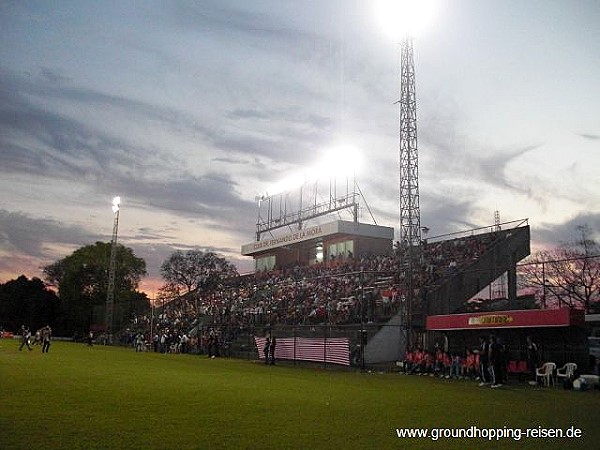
(39, 142)
(248, 114)
(290, 115)
(591, 137)
(446, 214)
(58, 145)
(212, 196)
(41, 241)
(237, 23)
(53, 76)
(38, 236)
(494, 167)
(548, 234)
(43, 141)
(155, 253)
(453, 157)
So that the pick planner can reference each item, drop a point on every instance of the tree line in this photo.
(72, 295)
(567, 276)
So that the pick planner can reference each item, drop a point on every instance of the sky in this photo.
(189, 109)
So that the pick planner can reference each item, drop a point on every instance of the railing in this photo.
(481, 230)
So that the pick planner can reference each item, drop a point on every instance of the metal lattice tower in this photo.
(499, 286)
(497, 226)
(110, 292)
(410, 213)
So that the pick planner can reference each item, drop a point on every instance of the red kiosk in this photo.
(559, 333)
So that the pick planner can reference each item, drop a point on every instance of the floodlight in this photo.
(287, 184)
(398, 18)
(340, 161)
(116, 203)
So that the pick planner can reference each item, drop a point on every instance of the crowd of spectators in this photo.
(343, 291)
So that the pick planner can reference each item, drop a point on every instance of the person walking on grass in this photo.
(46, 338)
(25, 336)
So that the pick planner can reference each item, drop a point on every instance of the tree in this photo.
(82, 282)
(28, 302)
(194, 270)
(567, 276)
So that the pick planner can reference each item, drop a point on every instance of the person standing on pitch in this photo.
(272, 351)
(25, 335)
(496, 361)
(484, 361)
(267, 347)
(533, 359)
(46, 337)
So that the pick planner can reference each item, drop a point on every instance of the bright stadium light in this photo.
(340, 161)
(398, 18)
(287, 184)
(116, 203)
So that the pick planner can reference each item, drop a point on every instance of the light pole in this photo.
(152, 319)
(110, 292)
(402, 20)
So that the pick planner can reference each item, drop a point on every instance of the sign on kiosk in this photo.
(507, 319)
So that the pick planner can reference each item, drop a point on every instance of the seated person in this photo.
(408, 362)
(471, 364)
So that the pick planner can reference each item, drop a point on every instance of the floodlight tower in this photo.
(402, 20)
(498, 286)
(110, 292)
(410, 212)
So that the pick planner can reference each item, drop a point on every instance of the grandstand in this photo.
(357, 297)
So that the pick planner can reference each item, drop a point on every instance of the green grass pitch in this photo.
(76, 397)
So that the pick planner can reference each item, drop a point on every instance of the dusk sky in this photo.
(189, 109)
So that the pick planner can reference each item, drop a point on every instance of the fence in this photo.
(319, 350)
(335, 346)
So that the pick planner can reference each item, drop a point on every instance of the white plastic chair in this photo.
(566, 371)
(546, 373)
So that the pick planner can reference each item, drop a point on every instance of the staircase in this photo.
(502, 255)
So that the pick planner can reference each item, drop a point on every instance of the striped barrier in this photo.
(326, 350)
